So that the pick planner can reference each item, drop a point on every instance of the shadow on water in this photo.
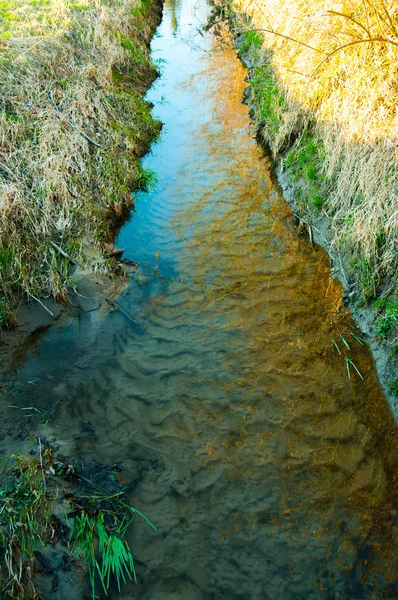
(268, 472)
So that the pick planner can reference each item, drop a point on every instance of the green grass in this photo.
(387, 320)
(252, 40)
(349, 363)
(24, 521)
(304, 157)
(98, 537)
(7, 313)
(304, 161)
(366, 277)
(268, 99)
(137, 55)
(393, 387)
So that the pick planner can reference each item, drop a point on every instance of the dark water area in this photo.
(266, 463)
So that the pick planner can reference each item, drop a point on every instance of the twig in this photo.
(29, 49)
(342, 270)
(379, 39)
(311, 236)
(137, 326)
(313, 227)
(24, 408)
(41, 304)
(63, 252)
(71, 123)
(286, 37)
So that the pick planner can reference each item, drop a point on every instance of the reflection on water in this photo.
(268, 472)
(173, 7)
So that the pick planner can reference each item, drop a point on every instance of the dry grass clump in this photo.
(73, 126)
(338, 59)
(334, 71)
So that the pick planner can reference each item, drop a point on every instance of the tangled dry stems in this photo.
(72, 126)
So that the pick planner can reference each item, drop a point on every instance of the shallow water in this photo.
(268, 472)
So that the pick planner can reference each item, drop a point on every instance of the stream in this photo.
(266, 462)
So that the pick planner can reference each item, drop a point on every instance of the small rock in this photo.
(181, 488)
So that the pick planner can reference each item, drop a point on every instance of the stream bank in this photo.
(74, 127)
(242, 432)
(292, 136)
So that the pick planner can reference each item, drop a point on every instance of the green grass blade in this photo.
(345, 342)
(349, 361)
(348, 368)
(358, 339)
(134, 510)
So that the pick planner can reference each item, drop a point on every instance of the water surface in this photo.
(268, 472)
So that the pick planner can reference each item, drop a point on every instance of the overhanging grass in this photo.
(73, 125)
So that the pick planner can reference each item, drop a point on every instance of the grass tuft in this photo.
(24, 521)
(98, 537)
(97, 522)
(387, 321)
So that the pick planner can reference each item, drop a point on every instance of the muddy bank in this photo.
(316, 223)
(93, 290)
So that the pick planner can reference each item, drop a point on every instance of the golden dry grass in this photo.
(335, 64)
(72, 126)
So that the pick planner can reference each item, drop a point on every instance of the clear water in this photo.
(268, 472)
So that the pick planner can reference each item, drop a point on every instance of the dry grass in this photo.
(334, 66)
(72, 126)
